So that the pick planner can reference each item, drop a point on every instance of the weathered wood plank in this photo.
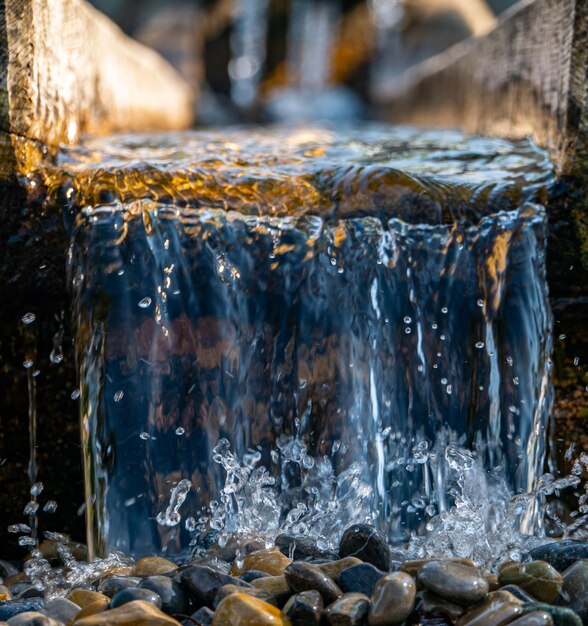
(66, 69)
(526, 77)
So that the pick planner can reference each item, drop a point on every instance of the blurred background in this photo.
(298, 60)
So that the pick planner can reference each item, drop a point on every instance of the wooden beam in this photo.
(526, 77)
(66, 69)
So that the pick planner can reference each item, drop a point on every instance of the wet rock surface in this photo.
(368, 544)
(561, 554)
(304, 608)
(452, 581)
(392, 599)
(361, 578)
(537, 578)
(350, 609)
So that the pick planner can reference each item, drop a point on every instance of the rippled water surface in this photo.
(340, 308)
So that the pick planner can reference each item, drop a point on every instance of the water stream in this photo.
(347, 313)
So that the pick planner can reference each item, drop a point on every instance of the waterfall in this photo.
(370, 297)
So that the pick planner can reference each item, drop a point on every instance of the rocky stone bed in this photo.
(294, 583)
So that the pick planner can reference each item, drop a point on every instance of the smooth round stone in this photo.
(560, 615)
(304, 609)
(124, 596)
(93, 608)
(202, 617)
(113, 584)
(276, 586)
(574, 591)
(361, 578)
(333, 569)
(429, 605)
(538, 578)
(392, 600)
(453, 581)
(252, 575)
(537, 618)
(300, 548)
(496, 609)
(202, 583)
(240, 609)
(302, 576)
(519, 593)
(350, 609)
(84, 597)
(33, 618)
(368, 544)
(272, 562)
(561, 554)
(14, 607)
(413, 566)
(62, 609)
(137, 613)
(173, 598)
(227, 590)
(152, 566)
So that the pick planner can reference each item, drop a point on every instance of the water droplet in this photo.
(50, 506)
(27, 541)
(190, 524)
(562, 336)
(408, 330)
(480, 345)
(31, 508)
(444, 381)
(407, 319)
(480, 303)
(118, 396)
(19, 528)
(333, 261)
(180, 431)
(576, 361)
(515, 380)
(144, 436)
(56, 356)
(449, 390)
(36, 489)
(442, 337)
(145, 302)
(29, 318)
(434, 326)
(444, 310)
(27, 364)
(75, 394)
(81, 510)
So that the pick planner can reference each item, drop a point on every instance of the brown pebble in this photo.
(272, 562)
(153, 566)
(136, 613)
(85, 597)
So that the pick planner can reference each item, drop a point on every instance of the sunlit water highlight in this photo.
(350, 311)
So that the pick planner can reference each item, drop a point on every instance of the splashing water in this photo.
(328, 303)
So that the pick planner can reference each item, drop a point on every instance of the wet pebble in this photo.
(561, 616)
(131, 594)
(252, 575)
(537, 618)
(7, 569)
(301, 548)
(574, 591)
(561, 554)
(538, 578)
(302, 576)
(113, 584)
(84, 597)
(429, 605)
(333, 569)
(392, 600)
(276, 586)
(496, 609)
(368, 544)
(453, 581)
(227, 590)
(412, 566)
(14, 607)
(202, 617)
(33, 618)
(361, 578)
(240, 609)
(272, 562)
(99, 606)
(350, 609)
(173, 598)
(202, 583)
(137, 613)
(30, 592)
(519, 593)
(304, 609)
(152, 566)
(62, 609)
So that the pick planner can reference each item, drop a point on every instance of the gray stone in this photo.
(62, 609)
(33, 618)
(14, 607)
(202, 617)
(173, 597)
(302, 576)
(392, 600)
(456, 582)
(368, 544)
(561, 554)
(111, 585)
(350, 609)
(574, 591)
(304, 609)
(361, 578)
(202, 583)
(124, 596)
